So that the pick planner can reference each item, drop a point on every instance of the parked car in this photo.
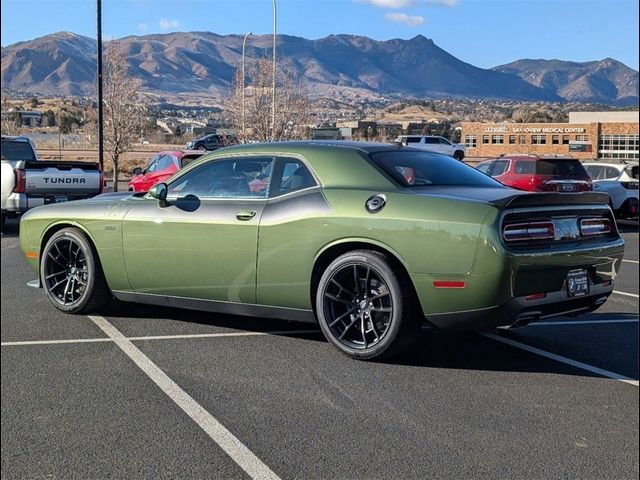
(538, 173)
(620, 182)
(210, 142)
(433, 144)
(345, 241)
(28, 182)
(161, 167)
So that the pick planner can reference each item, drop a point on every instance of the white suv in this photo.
(620, 181)
(433, 144)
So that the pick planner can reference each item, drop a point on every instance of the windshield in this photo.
(561, 167)
(12, 150)
(413, 168)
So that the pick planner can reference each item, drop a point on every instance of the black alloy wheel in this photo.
(363, 310)
(71, 274)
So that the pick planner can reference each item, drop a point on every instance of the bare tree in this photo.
(293, 106)
(124, 111)
(9, 125)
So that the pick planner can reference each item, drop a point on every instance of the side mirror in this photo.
(159, 192)
(137, 171)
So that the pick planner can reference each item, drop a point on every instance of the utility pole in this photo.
(244, 138)
(273, 84)
(99, 80)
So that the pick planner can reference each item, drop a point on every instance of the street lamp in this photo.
(244, 42)
(273, 84)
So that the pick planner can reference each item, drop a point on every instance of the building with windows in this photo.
(588, 135)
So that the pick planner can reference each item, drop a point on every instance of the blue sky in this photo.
(485, 33)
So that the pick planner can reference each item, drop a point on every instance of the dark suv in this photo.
(213, 141)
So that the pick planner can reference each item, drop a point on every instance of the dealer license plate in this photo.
(567, 187)
(577, 283)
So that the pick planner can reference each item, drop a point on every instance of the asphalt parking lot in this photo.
(145, 392)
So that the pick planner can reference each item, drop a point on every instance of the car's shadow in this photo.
(433, 348)
(11, 228)
(628, 226)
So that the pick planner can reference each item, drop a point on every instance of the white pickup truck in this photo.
(28, 182)
(433, 144)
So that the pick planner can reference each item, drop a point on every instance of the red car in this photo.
(160, 167)
(538, 173)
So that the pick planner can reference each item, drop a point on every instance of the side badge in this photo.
(375, 203)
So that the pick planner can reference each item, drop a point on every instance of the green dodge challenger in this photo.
(368, 240)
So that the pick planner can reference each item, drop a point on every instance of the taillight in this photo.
(595, 226)
(520, 232)
(21, 181)
(630, 185)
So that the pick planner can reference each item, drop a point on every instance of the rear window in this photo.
(187, 159)
(560, 167)
(411, 168)
(12, 150)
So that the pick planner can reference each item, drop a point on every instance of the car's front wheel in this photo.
(364, 307)
(202, 148)
(458, 155)
(71, 274)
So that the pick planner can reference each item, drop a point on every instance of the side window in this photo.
(225, 178)
(292, 175)
(164, 162)
(498, 168)
(525, 167)
(430, 140)
(444, 141)
(595, 172)
(413, 139)
(612, 173)
(484, 167)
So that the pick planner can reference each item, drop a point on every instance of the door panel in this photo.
(193, 248)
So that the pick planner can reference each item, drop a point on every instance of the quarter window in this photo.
(225, 178)
(291, 175)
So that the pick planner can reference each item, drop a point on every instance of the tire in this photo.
(202, 148)
(71, 275)
(458, 155)
(373, 317)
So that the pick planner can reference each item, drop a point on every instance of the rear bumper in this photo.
(16, 203)
(520, 311)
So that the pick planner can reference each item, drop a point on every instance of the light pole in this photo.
(244, 42)
(273, 84)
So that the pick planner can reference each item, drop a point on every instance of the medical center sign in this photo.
(505, 129)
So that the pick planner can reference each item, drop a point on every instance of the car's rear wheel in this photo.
(71, 274)
(458, 155)
(364, 307)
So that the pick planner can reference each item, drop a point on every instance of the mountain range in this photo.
(203, 64)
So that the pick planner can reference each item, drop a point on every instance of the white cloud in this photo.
(143, 26)
(407, 3)
(411, 20)
(389, 3)
(166, 24)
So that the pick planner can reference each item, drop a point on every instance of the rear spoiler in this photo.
(552, 199)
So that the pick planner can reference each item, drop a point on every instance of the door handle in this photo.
(245, 214)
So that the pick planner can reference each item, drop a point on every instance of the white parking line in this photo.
(160, 337)
(561, 359)
(55, 342)
(233, 447)
(626, 294)
(582, 322)
(630, 261)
